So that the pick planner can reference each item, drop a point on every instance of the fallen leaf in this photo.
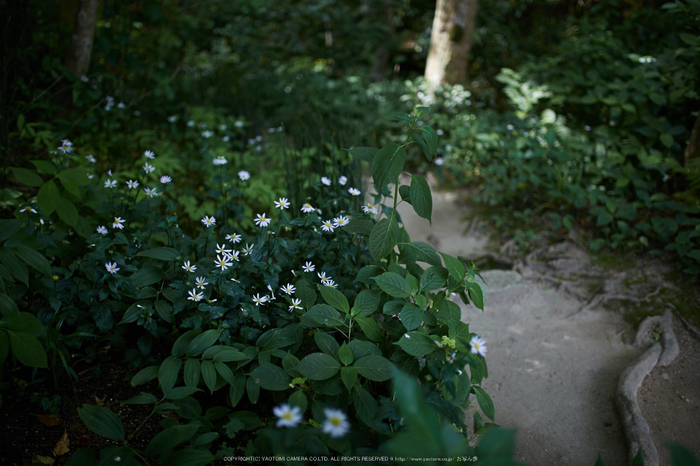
(83, 441)
(42, 459)
(100, 402)
(49, 419)
(62, 446)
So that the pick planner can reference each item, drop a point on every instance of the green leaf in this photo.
(145, 375)
(383, 238)
(17, 268)
(485, 402)
(230, 355)
(358, 226)
(298, 399)
(369, 327)
(8, 228)
(164, 310)
(335, 298)
(455, 267)
(375, 368)
(163, 253)
(417, 344)
(181, 344)
(188, 456)
(426, 253)
(179, 393)
(367, 302)
(365, 154)
(398, 117)
(326, 343)
(147, 276)
(77, 175)
(433, 278)
(476, 294)
(431, 139)
(48, 197)
(305, 292)
(318, 366)
(387, 165)
(421, 197)
(142, 399)
(44, 166)
(167, 439)
(393, 284)
(666, 140)
(102, 421)
(168, 371)
(202, 342)
(33, 259)
(27, 349)
(349, 377)
(345, 354)
(224, 371)
(8, 307)
(191, 372)
(411, 316)
(272, 377)
(67, 212)
(27, 177)
(322, 314)
(209, 374)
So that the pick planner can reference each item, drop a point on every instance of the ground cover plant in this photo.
(288, 332)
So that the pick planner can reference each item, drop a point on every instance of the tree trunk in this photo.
(692, 151)
(381, 58)
(80, 48)
(450, 41)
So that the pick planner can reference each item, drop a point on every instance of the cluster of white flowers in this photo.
(220, 160)
(336, 423)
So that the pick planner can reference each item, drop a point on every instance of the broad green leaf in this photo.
(349, 377)
(167, 439)
(411, 316)
(318, 366)
(8, 307)
(322, 314)
(25, 240)
(209, 374)
(229, 355)
(145, 375)
(237, 389)
(142, 399)
(666, 140)
(191, 372)
(202, 342)
(164, 310)
(102, 421)
(455, 267)
(168, 371)
(147, 276)
(205, 439)
(425, 252)
(162, 253)
(335, 298)
(476, 293)
(398, 117)
(433, 278)
(8, 228)
(421, 197)
(23, 322)
(33, 259)
(431, 139)
(224, 371)
(358, 226)
(393, 284)
(383, 238)
(361, 348)
(77, 175)
(44, 166)
(326, 343)
(67, 212)
(188, 456)
(345, 354)
(298, 399)
(365, 405)
(27, 349)
(367, 302)
(27, 177)
(375, 368)
(17, 267)
(272, 377)
(367, 272)
(369, 327)
(48, 197)
(485, 402)
(387, 165)
(305, 292)
(417, 344)
(181, 344)
(365, 154)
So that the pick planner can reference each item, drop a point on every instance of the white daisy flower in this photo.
(306, 208)
(336, 424)
(325, 180)
(340, 221)
(149, 154)
(234, 238)
(29, 209)
(118, 223)
(194, 295)
(282, 203)
(296, 304)
(111, 184)
(148, 168)
(243, 175)
(309, 267)
(220, 160)
(200, 282)
(287, 416)
(131, 184)
(221, 249)
(165, 179)
(478, 345)
(66, 146)
(322, 276)
(258, 300)
(222, 262)
(190, 268)
(327, 225)
(112, 267)
(102, 230)
(208, 221)
(329, 282)
(369, 209)
(233, 255)
(262, 220)
(90, 158)
(288, 288)
(343, 180)
(354, 191)
(150, 192)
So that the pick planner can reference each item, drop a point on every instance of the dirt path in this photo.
(554, 354)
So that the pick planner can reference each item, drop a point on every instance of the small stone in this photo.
(665, 376)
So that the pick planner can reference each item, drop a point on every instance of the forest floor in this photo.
(559, 324)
